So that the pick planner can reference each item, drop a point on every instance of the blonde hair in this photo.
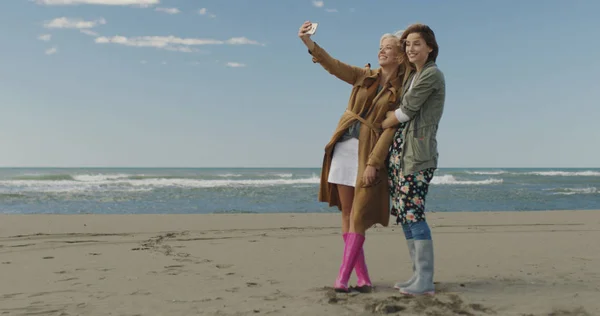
(397, 38)
(403, 60)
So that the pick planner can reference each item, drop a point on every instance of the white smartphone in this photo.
(313, 28)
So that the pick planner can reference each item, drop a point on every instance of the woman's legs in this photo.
(353, 258)
(346, 194)
(363, 281)
(345, 170)
(424, 260)
(397, 184)
(346, 197)
(353, 251)
(417, 232)
(410, 242)
(342, 174)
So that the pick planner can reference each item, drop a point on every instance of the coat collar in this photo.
(392, 85)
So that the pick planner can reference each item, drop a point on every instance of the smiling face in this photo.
(389, 52)
(417, 49)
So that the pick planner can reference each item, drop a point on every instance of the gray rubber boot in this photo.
(411, 250)
(424, 264)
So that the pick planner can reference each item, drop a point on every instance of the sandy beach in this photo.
(506, 263)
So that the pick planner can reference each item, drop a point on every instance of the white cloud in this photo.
(241, 41)
(235, 65)
(321, 4)
(144, 3)
(89, 32)
(204, 11)
(172, 43)
(68, 23)
(51, 51)
(182, 49)
(45, 37)
(168, 10)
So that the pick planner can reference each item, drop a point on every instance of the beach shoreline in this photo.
(487, 263)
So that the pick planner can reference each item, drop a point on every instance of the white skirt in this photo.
(344, 163)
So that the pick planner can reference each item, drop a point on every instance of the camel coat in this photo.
(371, 204)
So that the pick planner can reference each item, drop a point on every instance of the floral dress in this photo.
(407, 192)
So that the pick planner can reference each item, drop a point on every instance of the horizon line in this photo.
(229, 167)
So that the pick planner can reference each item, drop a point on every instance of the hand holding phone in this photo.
(313, 28)
(307, 29)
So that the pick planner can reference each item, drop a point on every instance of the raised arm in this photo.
(343, 71)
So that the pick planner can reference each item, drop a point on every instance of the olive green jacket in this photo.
(424, 105)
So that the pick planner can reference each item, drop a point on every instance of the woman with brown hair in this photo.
(354, 171)
(413, 155)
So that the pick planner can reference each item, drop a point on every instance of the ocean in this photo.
(231, 190)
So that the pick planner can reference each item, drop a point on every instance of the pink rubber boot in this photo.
(354, 243)
(362, 273)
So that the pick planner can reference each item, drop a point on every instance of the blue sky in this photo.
(194, 83)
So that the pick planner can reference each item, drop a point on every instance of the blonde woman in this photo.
(354, 173)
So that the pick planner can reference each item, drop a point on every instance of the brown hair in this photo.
(427, 34)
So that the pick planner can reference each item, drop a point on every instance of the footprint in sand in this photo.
(175, 269)
(224, 266)
(6, 262)
(252, 284)
(275, 296)
(48, 258)
(140, 292)
(38, 294)
(233, 290)
(173, 272)
(22, 245)
(383, 308)
(449, 304)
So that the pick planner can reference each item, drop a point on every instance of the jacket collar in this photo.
(428, 64)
